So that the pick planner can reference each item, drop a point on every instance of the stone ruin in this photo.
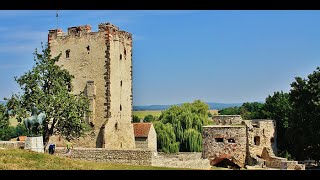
(243, 143)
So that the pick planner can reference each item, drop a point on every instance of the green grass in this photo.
(19, 159)
(142, 114)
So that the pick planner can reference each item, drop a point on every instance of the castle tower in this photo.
(101, 63)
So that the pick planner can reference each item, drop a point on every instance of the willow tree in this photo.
(166, 139)
(187, 121)
(48, 87)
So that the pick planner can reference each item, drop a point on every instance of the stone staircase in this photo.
(181, 160)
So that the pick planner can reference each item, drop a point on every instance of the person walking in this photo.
(68, 148)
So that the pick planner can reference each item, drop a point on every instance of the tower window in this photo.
(88, 48)
(256, 140)
(272, 140)
(218, 139)
(120, 56)
(116, 126)
(67, 53)
(125, 52)
(231, 140)
(120, 107)
(121, 83)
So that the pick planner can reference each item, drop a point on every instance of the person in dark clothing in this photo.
(52, 148)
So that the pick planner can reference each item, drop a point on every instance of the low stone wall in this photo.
(130, 157)
(190, 160)
(12, 144)
(226, 119)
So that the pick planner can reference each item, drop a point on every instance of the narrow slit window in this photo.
(218, 139)
(116, 126)
(68, 53)
(256, 140)
(120, 56)
(272, 140)
(120, 107)
(88, 48)
(121, 83)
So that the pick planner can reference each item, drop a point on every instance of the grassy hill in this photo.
(142, 114)
(18, 159)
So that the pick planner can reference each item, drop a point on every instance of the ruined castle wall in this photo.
(101, 63)
(261, 133)
(224, 142)
(152, 139)
(130, 157)
(226, 119)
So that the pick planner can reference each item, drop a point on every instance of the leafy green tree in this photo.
(135, 119)
(21, 130)
(48, 87)
(187, 121)
(248, 110)
(304, 121)
(278, 108)
(7, 133)
(254, 110)
(4, 117)
(230, 111)
(148, 118)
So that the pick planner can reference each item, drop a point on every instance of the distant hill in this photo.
(212, 105)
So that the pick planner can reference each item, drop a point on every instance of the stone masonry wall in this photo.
(224, 142)
(12, 144)
(101, 63)
(141, 143)
(226, 119)
(130, 157)
(261, 134)
(152, 139)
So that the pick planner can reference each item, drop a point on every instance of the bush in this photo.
(7, 133)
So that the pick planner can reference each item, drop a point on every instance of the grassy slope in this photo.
(142, 114)
(18, 159)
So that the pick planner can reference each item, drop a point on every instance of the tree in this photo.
(48, 87)
(148, 118)
(230, 111)
(254, 110)
(278, 108)
(186, 122)
(247, 110)
(135, 119)
(304, 121)
(166, 139)
(4, 117)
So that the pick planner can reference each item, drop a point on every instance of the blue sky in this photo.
(180, 56)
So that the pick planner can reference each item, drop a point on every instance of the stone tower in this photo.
(101, 63)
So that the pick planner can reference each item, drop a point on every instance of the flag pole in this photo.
(57, 16)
